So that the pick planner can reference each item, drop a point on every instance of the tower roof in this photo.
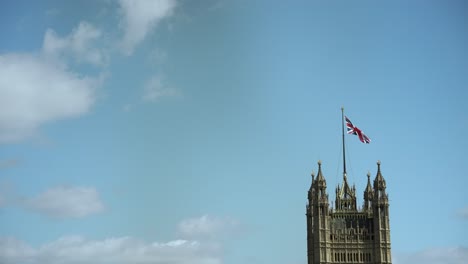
(313, 179)
(379, 181)
(320, 177)
(345, 189)
(369, 185)
(368, 192)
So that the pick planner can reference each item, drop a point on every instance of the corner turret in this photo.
(368, 195)
(380, 186)
(381, 219)
(320, 182)
(311, 189)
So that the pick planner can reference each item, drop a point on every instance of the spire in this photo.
(320, 186)
(345, 190)
(320, 178)
(368, 194)
(369, 185)
(313, 179)
(311, 189)
(380, 185)
(379, 182)
(346, 196)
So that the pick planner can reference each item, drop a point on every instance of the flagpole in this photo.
(342, 130)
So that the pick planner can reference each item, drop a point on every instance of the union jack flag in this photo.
(356, 131)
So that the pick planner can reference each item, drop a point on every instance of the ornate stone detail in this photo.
(347, 234)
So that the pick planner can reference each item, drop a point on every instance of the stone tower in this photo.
(346, 233)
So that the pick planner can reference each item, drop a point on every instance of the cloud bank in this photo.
(119, 250)
(66, 202)
(124, 250)
(207, 226)
(34, 91)
(139, 18)
(80, 44)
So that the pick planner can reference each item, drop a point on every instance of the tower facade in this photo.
(346, 233)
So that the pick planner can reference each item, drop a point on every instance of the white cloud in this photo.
(207, 226)
(80, 44)
(449, 255)
(34, 91)
(38, 89)
(140, 17)
(63, 202)
(124, 250)
(155, 88)
(119, 250)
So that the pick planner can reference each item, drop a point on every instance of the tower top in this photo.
(379, 182)
(313, 179)
(369, 186)
(320, 177)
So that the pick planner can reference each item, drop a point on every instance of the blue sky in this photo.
(186, 131)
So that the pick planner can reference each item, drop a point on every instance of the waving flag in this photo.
(356, 131)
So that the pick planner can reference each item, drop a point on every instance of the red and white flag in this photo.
(356, 131)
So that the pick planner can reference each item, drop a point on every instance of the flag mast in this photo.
(342, 130)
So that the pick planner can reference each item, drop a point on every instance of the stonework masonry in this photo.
(347, 234)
